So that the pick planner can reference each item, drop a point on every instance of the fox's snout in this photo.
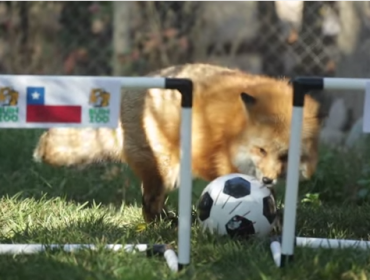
(305, 173)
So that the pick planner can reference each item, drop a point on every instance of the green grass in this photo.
(40, 204)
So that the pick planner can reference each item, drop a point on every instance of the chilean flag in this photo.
(41, 108)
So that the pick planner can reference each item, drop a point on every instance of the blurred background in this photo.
(277, 38)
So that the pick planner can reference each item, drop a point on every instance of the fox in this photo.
(240, 124)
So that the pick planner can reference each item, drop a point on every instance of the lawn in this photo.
(40, 204)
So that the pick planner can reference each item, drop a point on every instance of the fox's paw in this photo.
(162, 216)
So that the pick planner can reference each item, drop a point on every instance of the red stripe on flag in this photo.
(53, 114)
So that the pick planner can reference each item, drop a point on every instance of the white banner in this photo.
(48, 101)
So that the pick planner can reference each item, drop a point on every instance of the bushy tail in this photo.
(73, 146)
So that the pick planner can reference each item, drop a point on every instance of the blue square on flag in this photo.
(35, 95)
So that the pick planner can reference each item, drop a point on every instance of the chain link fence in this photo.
(277, 38)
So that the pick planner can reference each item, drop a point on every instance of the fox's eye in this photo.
(262, 151)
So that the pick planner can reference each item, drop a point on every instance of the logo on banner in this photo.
(8, 105)
(99, 101)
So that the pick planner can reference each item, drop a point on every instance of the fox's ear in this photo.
(248, 100)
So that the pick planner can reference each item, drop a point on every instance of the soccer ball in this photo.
(237, 205)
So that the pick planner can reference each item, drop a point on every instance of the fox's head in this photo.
(264, 143)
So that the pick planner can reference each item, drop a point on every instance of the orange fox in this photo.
(241, 123)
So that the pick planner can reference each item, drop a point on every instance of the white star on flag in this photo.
(35, 95)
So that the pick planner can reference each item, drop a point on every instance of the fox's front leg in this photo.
(153, 197)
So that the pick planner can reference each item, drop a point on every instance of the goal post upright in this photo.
(185, 87)
(300, 87)
(283, 253)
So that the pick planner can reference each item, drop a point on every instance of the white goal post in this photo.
(82, 85)
(283, 248)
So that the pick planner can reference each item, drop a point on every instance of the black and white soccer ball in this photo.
(237, 205)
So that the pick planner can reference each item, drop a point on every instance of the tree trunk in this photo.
(121, 35)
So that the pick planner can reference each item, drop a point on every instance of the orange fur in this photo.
(229, 134)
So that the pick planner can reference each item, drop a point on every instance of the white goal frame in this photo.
(175, 263)
(283, 248)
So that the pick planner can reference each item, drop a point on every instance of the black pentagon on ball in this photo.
(204, 206)
(269, 209)
(239, 226)
(237, 187)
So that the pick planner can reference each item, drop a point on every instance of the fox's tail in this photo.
(73, 146)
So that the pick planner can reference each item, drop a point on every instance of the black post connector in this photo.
(285, 259)
(185, 87)
(182, 266)
(156, 250)
(302, 85)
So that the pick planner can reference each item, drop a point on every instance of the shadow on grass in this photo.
(48, 266)
(92, 228)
